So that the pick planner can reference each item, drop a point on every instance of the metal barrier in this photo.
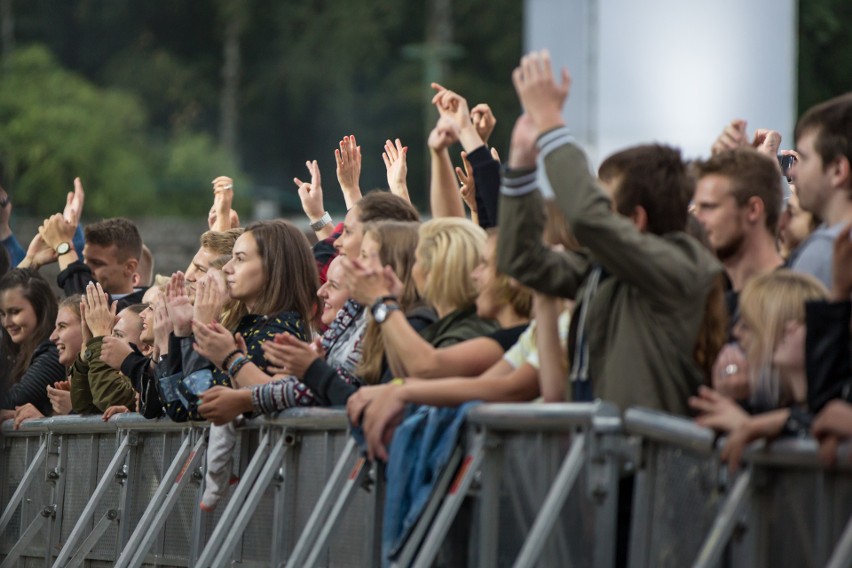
(535, 485)
(547, 486)
(125, 493)
(783, 508)
(537, 480)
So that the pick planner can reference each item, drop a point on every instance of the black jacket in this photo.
(44, 370)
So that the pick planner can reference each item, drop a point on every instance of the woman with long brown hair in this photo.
(28, 311)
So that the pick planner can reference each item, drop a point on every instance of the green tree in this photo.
(56, 125)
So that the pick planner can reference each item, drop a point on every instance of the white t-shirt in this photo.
(526, 351)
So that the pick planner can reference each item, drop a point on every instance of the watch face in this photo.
(381, 313)
(63, 248)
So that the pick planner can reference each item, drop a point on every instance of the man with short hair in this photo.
(823, 175)
(738, 200)
(215, 250)
(641, 285)
(110, 256)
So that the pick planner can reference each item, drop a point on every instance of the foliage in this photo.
(823, 46)
(133, 103)
(57, 126)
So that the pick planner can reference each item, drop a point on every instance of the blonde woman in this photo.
(772, 331)
(449, 251)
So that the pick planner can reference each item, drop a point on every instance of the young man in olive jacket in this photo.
(642, 285)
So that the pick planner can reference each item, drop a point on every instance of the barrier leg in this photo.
(358, 475)
(175, 484)
(235, 503)
(321, 513)
(489, 506)
(726, 521)
(843, 550)
(373, 540)
(266, 476)
(23, 542)
(559, 490)
(157, 501)
(108, 518)
(449, 498)
(103, 486)
(26, 480)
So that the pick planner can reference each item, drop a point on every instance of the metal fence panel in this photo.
(795, 510)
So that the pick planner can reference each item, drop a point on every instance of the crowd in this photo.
(719, 289)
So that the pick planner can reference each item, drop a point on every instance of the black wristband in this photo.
(227, 358)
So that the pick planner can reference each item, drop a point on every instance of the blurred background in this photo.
(149, 101)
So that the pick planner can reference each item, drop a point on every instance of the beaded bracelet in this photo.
(228, 357)
(238, 364)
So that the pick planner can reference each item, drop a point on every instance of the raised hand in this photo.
(38, 254)
(56, 230)
(541, 96)
(523, 151)
(348, 158)
(179, 305)
(310, 194)
(213, 217)
(100, 315)
(468, 187)
(394, 157)
(483, 120)
(444, 135)
(74, 204)
(210, 297)
(223, 197)
(733, 136)
(767, 142)
(452, 105)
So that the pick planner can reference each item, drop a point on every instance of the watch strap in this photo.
(323, 221)
(382, 300)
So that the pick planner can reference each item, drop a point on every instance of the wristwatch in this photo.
(63, 248)
(383, 307)
(322, 222)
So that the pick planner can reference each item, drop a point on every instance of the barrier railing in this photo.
(783, 508)
(535, 485)
(125, 493)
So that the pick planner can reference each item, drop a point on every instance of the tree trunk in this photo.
(7, 29)
(233, 13)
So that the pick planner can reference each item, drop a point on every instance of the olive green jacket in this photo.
(644, 319)
(95, 386)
